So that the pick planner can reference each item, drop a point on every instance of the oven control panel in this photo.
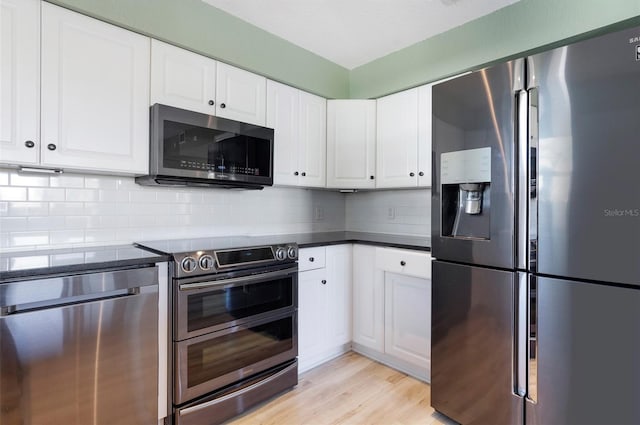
(218, 261)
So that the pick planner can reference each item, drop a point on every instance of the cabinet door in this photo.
(95, 94)
(313, 140)
(407, 318)
(241, 95)
(182, 78)
(424, 135)
(20, 81)
(283, 108)
(312, 315)
(351, 132)
(339, 272)
(397, 140)
(368, 299)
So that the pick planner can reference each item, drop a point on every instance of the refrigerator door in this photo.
(586, 354)
(473, 173)
(588, 149)
(472, 346)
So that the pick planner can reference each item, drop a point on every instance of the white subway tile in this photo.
(66, 180)
(101, 235)
(81, 195)
(101, 182)
(8, 193)
(66, 208)
(148, 196)
(19, 179)
(59, 237)
(24, 239)
(46, 223)
(142, 221)
(45, 194)
(4, 209)
(4, 177)
(13, 224)
(28, 209)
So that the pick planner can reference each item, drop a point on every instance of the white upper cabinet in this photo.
(241, 95)
(313, 140)
(182, 78)
(404, 139)
(299, 120)
(95, 94)
(20, 81)
(351, 129)
(424, 135)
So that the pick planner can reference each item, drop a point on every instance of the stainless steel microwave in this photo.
(193, 149)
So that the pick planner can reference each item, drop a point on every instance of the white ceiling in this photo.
(354, 32)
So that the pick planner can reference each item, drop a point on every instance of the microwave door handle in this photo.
(234, 280)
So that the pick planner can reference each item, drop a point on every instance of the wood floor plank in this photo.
(350, 390)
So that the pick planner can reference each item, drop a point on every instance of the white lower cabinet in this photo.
(407, 318)
(392, 307)
(324, 304)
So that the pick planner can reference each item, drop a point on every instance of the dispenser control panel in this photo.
(467, 166)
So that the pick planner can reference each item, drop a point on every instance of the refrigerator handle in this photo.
(522, 105)
(520, 356)
(532, 339)
(532, 186)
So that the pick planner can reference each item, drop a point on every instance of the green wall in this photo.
(508, 32)
(195, 25)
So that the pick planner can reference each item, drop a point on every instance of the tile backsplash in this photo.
(390, 211)
(39, 212)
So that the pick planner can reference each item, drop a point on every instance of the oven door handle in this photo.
(242, 279)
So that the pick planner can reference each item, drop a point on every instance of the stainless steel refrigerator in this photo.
(536, 236)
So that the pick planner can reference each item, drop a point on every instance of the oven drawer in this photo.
(215, 360)
(232, 401)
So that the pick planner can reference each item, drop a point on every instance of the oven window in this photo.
(188, 147)
(216, 357)
(224, 305)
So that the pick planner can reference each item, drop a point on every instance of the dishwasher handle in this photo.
(22, 296)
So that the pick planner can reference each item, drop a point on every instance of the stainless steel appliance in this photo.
(536, 232)
(235, 337)
(80, 349)
(193, 149)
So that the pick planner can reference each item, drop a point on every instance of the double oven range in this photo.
(233, 337)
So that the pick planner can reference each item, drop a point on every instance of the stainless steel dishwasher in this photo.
(80, 349)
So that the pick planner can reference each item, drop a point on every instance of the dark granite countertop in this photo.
(306, 240)
(20, 265)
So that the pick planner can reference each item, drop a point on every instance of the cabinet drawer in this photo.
(403, 261)
(311, 258)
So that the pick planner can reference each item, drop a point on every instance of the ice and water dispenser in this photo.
(466, 193)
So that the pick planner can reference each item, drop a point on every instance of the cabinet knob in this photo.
(51, 147)
(211, 102)
(303, 174)
(371, 177)
(403, 263)
(29, 144)
(295, 173)
(222, 105)
(421, 174)
(324, 282)
(311, 259)
(412, 174)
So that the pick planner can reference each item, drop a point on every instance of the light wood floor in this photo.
(350, 390)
